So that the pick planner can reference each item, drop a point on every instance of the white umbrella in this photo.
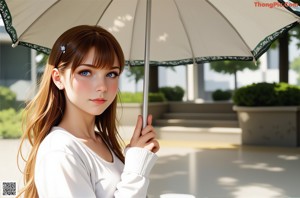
(180, 31)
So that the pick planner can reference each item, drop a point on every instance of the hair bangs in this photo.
(105, 53)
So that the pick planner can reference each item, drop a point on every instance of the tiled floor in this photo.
(217, 170)
(206, 170)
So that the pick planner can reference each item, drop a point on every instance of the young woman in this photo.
(71, 124)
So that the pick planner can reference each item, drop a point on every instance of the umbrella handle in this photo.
(146, 68)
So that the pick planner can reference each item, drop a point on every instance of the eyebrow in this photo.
(90, 65)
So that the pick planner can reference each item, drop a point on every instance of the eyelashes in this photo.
(112, 74)
(85, 73)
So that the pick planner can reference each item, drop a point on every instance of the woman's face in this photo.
(90, 89)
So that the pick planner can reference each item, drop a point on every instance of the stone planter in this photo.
(127, 112)
(269, 126)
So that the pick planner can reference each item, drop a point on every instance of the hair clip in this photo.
(63, 49)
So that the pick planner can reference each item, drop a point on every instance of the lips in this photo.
(98, 100)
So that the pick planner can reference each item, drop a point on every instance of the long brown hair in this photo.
(47, 108)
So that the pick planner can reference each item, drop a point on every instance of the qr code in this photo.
(9, 188)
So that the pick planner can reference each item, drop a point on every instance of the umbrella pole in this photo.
(146, 60)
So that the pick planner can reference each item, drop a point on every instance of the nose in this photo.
(101, 85)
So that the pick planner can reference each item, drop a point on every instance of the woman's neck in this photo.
(79, 124)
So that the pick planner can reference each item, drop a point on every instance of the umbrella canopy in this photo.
(180, 32)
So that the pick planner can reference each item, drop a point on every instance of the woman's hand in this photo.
(144, 138)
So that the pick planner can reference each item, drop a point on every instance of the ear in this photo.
(57, 79)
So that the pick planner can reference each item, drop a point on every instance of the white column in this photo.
(200, 83)
(264, 66)
(192, 82)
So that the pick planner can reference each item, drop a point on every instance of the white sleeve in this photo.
(58, 174)
(134, 179)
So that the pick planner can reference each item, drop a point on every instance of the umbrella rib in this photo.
(249, 48)
(104, 12)
(184, 27)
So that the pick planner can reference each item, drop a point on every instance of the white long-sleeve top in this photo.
(65, 167)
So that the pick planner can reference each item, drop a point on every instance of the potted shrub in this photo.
(172, 93)
(221, 95)
(268, 114)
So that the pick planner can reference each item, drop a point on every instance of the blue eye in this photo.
(112, 74)
(85, 73)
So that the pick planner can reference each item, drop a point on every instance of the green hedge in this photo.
(129, 97)
(10, 119)
(172, 93)
(267, 94)
(7, 98)
(220, 95)
(10, 123)
(156, 97)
